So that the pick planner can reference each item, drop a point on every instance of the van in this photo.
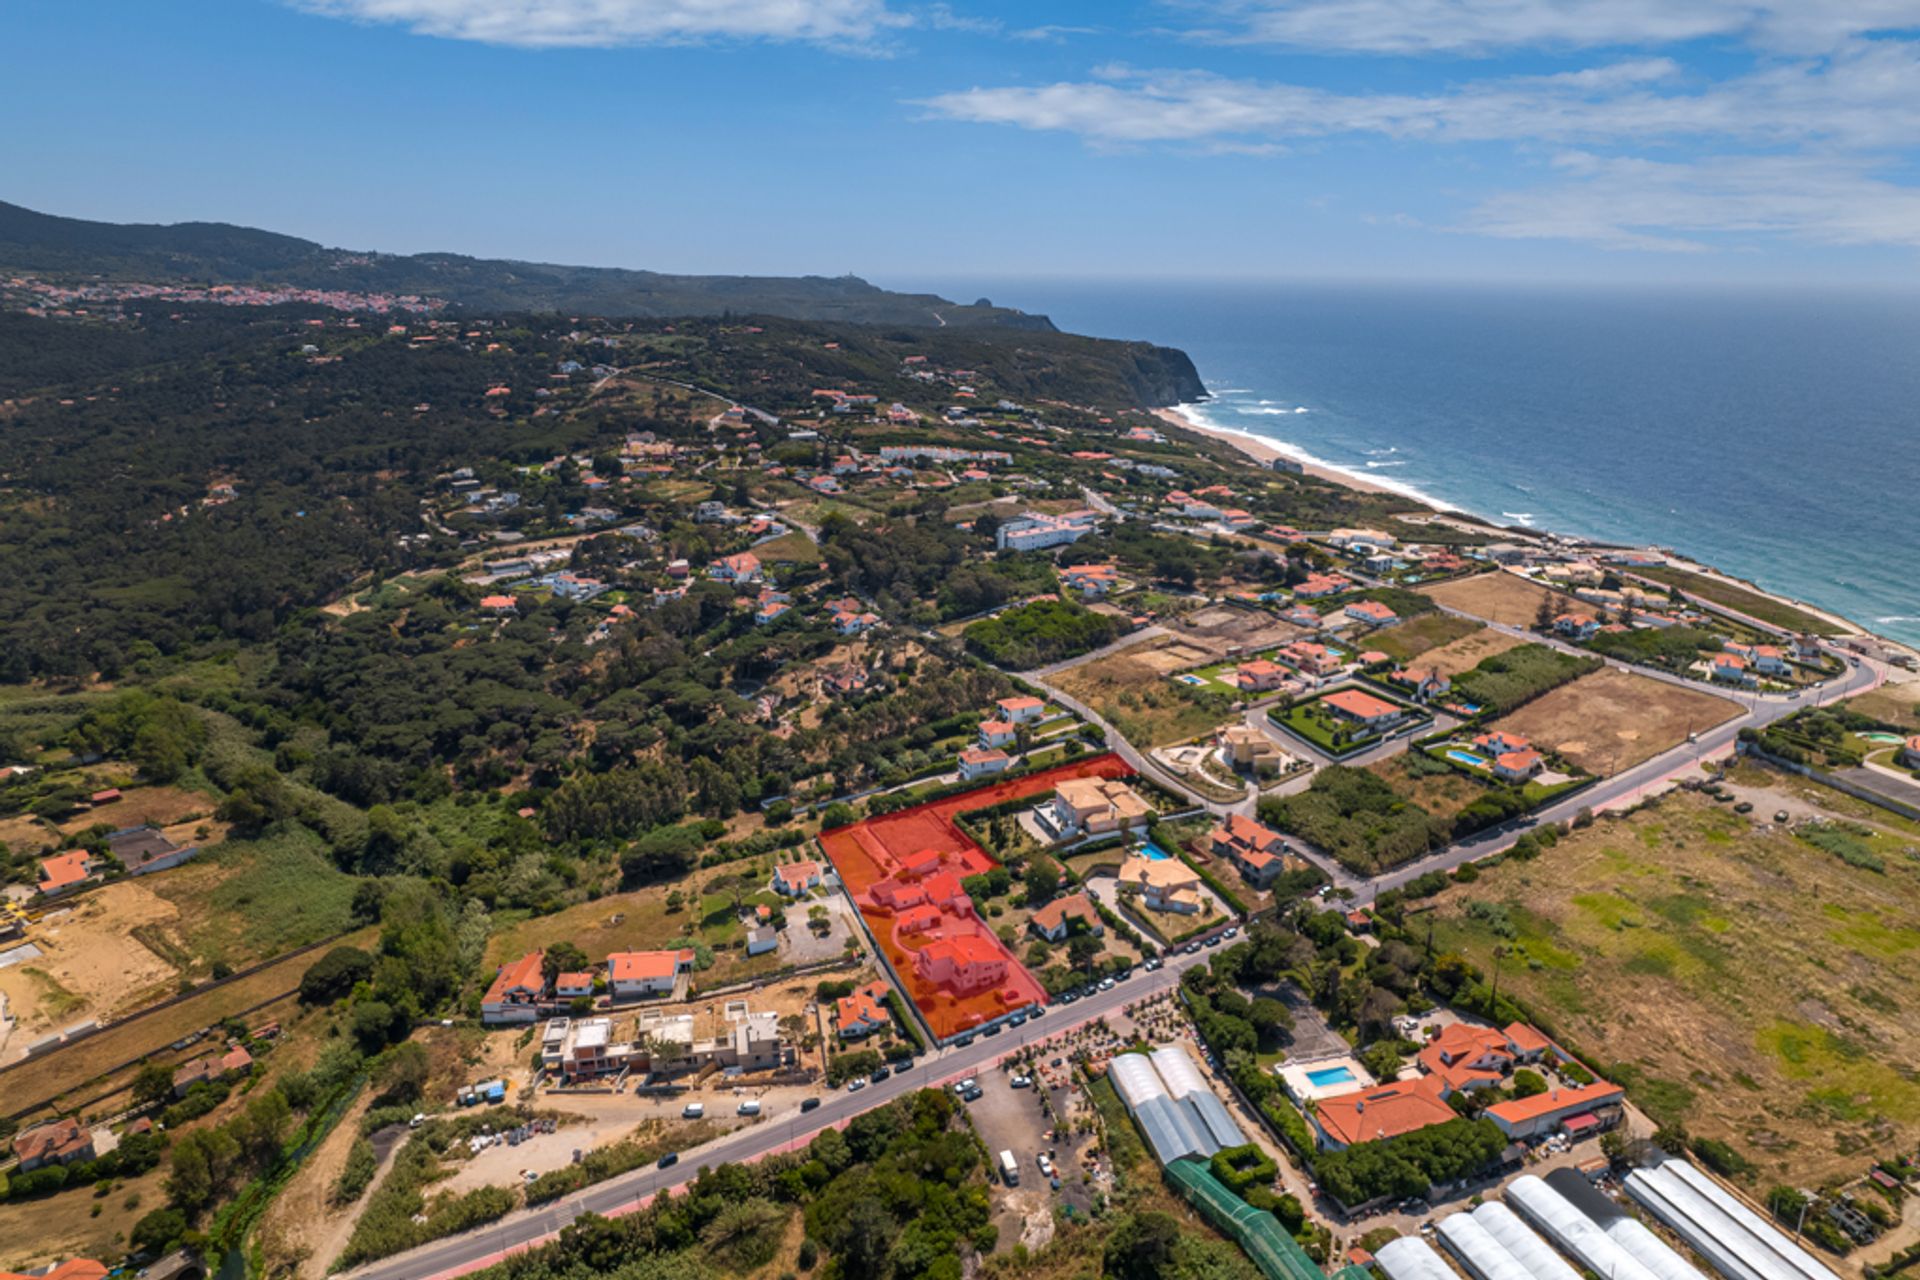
(1009, 1169)
(693, 1111)
(747, 1109)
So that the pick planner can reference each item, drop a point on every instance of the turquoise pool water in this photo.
(1331, 1075)
(1467, 758)
(1154, 851)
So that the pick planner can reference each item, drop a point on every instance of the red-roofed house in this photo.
(863, 1012)
(1319, 585)
(1500, 742)
(515, 992)
(1314, 659)
(997, 733)
(1388, 1111)
(1371, 612)
(1517, 766)
(633, 974)
(571, 986)
(1363, 708)
(741, 568)
(962, 965)
(1259, 675)
(795, 878)
(1465, 1057)
(1057, 919)
(65, 872)
(1258, 851)
(1422, 685)
(499, 604)
(1587, 1109)
(981, 762)
(1731, 668)
(1021, 710)
(1577, 625)
(59, 1141)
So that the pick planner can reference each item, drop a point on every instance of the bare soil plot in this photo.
(1499, 597)
(1130, 689)
(1467, 652)
(1612, 720)
(73, 1071)
(22, 831)
(1751, 985)
(91, 963)
(1223, 630)
(1416, 636)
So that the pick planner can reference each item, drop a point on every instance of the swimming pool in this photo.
(1330, 1076)
(1467, 758)
(1154, 852)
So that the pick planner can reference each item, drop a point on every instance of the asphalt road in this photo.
(527, 1227)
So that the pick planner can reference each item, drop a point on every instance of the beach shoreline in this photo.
(1265, 454)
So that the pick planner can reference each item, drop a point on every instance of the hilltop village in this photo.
(772, 796)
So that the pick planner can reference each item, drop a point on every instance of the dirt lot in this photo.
(1416, 636)
(1467, 652)
(1612, 720)
(1897, 701)
(1755, 987)
(1223, 630)
(72, 1073)
(1131, 690)
(91, 964)
(1499, 597)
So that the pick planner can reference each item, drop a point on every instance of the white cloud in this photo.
(1866, 96)
(1632, 203)
(539, 24)
(1472, 27)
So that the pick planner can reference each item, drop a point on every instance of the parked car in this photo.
(973, 1095)
(670, 1159)
(1783, 817)
(809, 1104)
(879, 1074)
(964, 1085)
(1021, 1082)
(1153, 964)
(1046, 1164)
(693, 1111)
(856, 1084)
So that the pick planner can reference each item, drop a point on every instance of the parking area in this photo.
(1026, 1121)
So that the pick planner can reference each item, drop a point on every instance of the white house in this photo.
(982, 762)
(997, 733)
(795, 878)
(633, 974)
(1021, 710)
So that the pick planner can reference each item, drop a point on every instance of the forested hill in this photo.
(184, 471)
(219, 253)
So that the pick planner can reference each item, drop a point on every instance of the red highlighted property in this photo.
(904, 871)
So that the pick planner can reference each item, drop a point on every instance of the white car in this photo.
(1106, 984)
(964, 1085)
(1022, 1082)
(856, 1084)
(1046, 1165)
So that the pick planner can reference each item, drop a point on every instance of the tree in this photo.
(562, 957)
(1042, 879)
(155, 1233)
(335, 974)
(1082, 950)
(1528, 1083)
(374, 1025)
(154, 1083)
(1142, 1247)
(1270, 1018)
(865, 1239)
(402, 1072)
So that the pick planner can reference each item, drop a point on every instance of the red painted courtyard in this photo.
(904, 871)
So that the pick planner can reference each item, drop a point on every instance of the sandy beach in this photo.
(1264, 454)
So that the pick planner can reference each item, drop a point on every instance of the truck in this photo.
(1009, 1169)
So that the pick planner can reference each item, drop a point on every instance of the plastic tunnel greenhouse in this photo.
(1277, 1254)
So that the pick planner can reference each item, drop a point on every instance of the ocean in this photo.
(1775, 435)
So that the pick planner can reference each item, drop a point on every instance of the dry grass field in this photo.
(1611, 720)
(1736, 978)
(1416, 636)
(1467, 652)
(1499, 597)
(1897, 701)
(1131, 690)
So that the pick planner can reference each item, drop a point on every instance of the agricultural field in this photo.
(1672, 949)
(1611, 720)
(1418, 636)
(1131, 690)
(1499, 597)
(1740, 599)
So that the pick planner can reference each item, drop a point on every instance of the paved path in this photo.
(528, 1228)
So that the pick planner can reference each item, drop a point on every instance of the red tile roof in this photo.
(1387, 1111)
(642, 966)
(64, 870)
(1521, 1110)
(1075, 906)
(523, 974)
(1363, 706)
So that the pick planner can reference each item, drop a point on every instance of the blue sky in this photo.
(1659, 140)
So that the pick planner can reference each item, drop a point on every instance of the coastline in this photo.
(1264, 454)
